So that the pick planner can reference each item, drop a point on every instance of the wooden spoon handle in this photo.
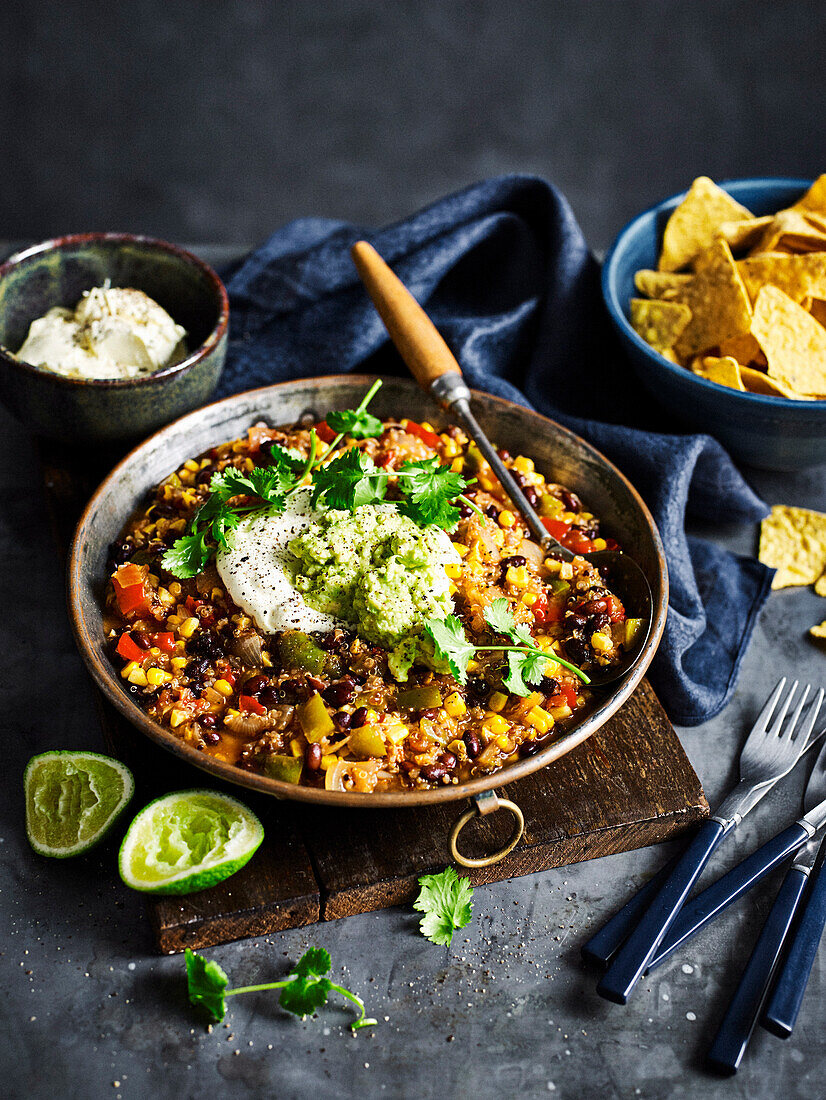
(411, 330)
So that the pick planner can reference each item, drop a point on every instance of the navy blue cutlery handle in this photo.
(738, 1023)
(603, 945)
(632, 959)
(784, 1004)
(700, 911)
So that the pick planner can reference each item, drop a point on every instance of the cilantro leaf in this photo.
(451, 644)
(206, 984)
(525, 667)
(315, 961)
(287, 458)
(430, 490)
(499, 616)
(188, 556)
(357, 423)
(445, 900)
(348, 482)
(514, 679)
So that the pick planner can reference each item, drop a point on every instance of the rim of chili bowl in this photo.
(18, 378)
(775, 433)
(104, 517)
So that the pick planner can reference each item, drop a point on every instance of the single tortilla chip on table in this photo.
(719, 305)
(793, 541)
(793, 342)
(659, 323)
(660, 284)
(819, 631)
(723, 370)
(800, 276)
(691, 228)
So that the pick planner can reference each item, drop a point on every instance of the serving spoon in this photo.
(433, 365)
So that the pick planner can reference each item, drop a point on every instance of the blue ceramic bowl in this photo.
(103, 410)
(774, 433)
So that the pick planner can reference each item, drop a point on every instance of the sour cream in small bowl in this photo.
(119, 334)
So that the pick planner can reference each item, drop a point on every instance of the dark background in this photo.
(218, 121)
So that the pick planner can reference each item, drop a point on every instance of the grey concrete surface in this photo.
(211, 121)
(88, 1010)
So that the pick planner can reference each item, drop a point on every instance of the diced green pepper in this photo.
(285, 768)
(419, 698)
(298, 650)
(314, 719)
(632, 629)
(549, 505)
(474, 457)
(367, 741)
(558, 587)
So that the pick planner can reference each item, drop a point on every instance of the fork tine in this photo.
(788, 735)
(806, 732)
(779, 718)
(764, 717)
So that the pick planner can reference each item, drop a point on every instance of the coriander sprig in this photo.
(445, 900)
(304, 990)
(527, 664)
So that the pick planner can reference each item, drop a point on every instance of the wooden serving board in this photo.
(628, 786)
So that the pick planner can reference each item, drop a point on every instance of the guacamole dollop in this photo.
(377, 569)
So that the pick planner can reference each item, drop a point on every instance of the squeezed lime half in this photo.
(188, 841)
(73, 799)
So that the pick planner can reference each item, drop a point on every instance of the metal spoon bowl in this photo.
(435, 368)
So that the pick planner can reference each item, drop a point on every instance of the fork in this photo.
(770, 752)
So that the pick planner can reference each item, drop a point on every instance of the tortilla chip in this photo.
(718, 302)
(659, 323)
(659, 284)
(820, 585)
(793, 541)
(792, 231)
(815, 197)
(792, 340)
(743, 348)
(724, 371)
(799, 276)
(757, 381)
(818, 631)
(691, 227)
(743, 234)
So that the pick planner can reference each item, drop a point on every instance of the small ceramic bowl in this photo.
(56, 273)
(774, 433)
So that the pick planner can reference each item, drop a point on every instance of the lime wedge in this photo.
(188, 841)
(73, 799)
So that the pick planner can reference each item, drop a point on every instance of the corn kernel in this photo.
(450, 448)
(177, 717)
(460, 549)
(453, 570)
(395, 732)
(517, 576)
(154, 651)
(137, 676)
(178, 663)
(529, 599)
(296, 748)
(452, 589)
(454, 704)
(193, 465)
(127, 669)
(506, 518)
(497, 724)
(157, 677)
(504, 742)
(487, 483)
(266, 660)
(188, 628)
(566, 571)
(539, 719)
(472, 665)
(428, 427)
(600, 544)
(601, 642)
(328, 762)
(223, 687)
(457, 465)
(204, 463)
(172, 620)
(561, 712)
(497, 701)
(523, 465)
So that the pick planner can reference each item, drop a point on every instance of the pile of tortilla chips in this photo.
(741, 300)
(793, 541)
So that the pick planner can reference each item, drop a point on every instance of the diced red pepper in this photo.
(247, 703)
(385, 459)
(164, 641)
(324, 432)
(566, 694)
(556, 528)
(192, 605)
(426, 436)
(129, 649)
(577, 542)
(131, 600)
(545, 611)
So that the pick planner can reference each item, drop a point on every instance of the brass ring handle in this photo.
(483, 804)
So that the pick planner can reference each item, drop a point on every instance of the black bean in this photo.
(597, 622)
(205, 643)
(433, 772)
(492, 511)
(570, 500)
(211, 737)
(529, 748)
(577, 650)
(478, 688)
(208, 721)
(575, 620)
(472, 744)
(464, 511)
(316, 684)
(312, 757)
(121, 552)
(429, 712)
(359, 717)
(449, 760)
(342, 720)
(203, 477)
(339, 693)
(548, 685)
(270, 697)
(255, 685)
(531, 496)
(504, 455)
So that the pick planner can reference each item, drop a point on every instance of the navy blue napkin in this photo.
(505, 273)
